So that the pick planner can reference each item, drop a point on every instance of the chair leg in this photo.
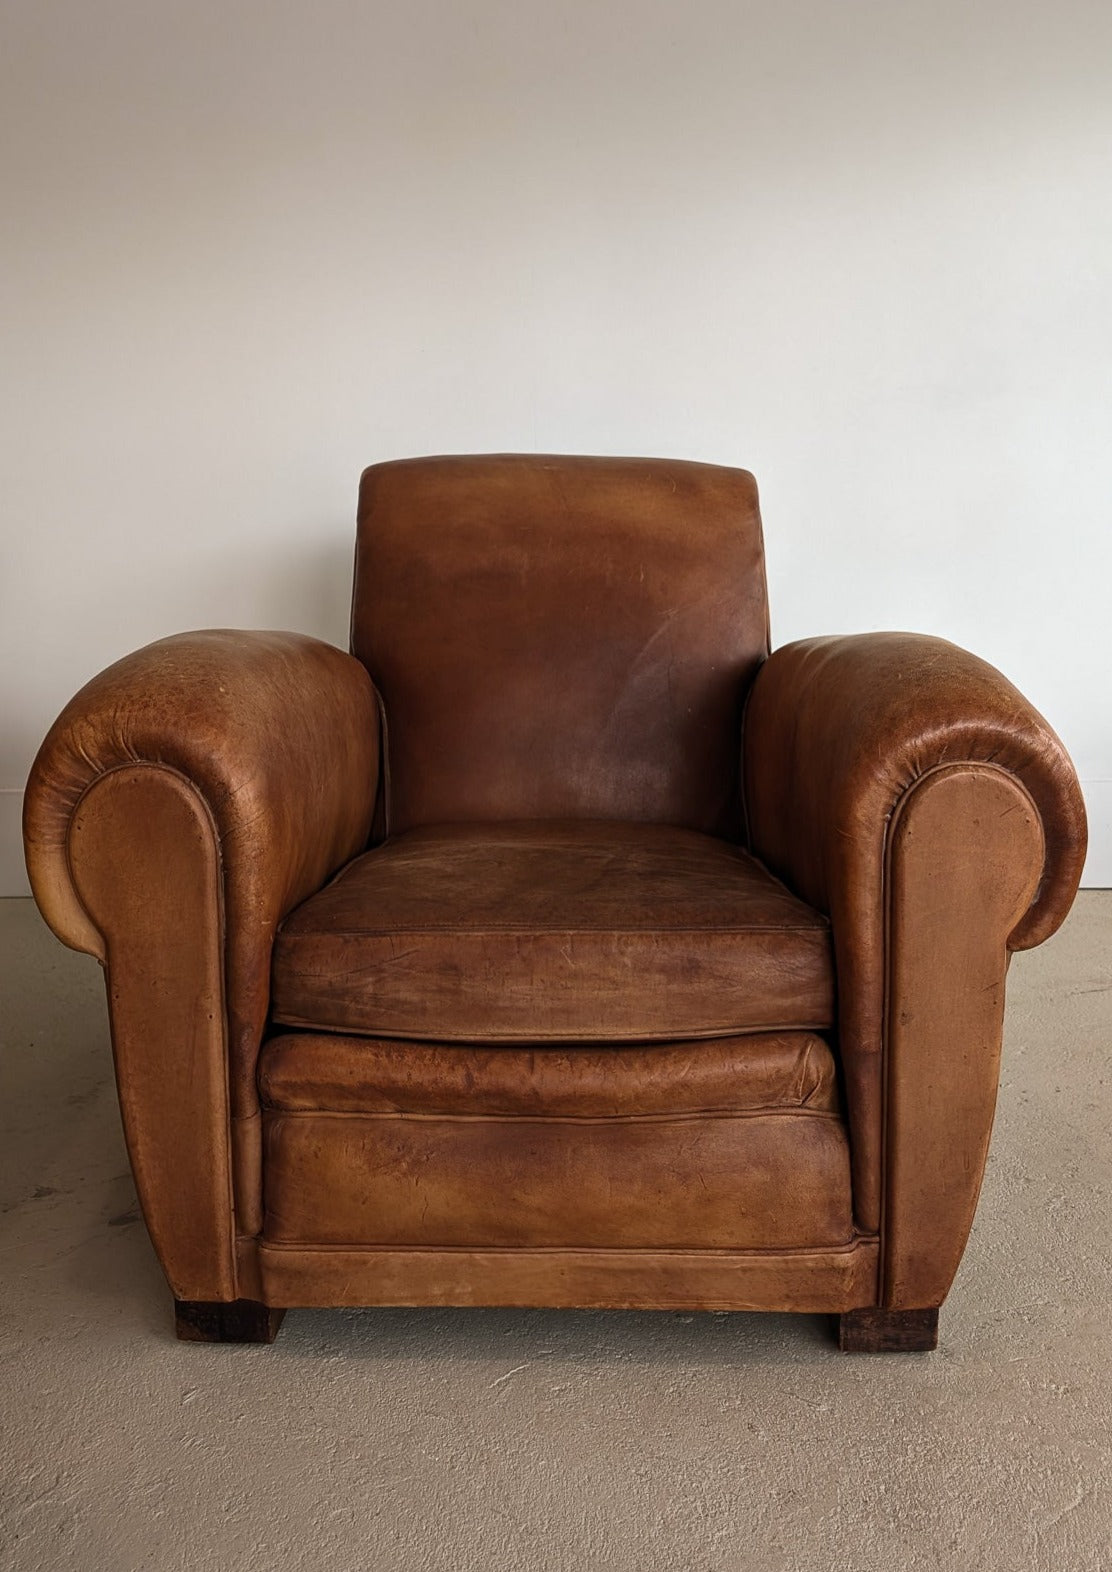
(241, 1321)
(876, 1331)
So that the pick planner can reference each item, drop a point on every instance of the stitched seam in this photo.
(898, 808)
(535, 932)
(140, 764)
(685, 1117)
(573, 1034)
(387, 777)
(743, 760)
(222, 935)
(849, 1247)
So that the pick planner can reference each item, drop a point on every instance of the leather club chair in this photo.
(559, 945)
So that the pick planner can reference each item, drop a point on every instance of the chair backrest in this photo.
(558, 637)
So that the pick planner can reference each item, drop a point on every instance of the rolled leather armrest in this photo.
(277, 733)
(842, 736)
(183, 802)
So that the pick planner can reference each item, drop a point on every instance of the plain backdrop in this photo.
(864, 249)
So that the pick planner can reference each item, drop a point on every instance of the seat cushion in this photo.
(553, 931)
(731, 1144)
(311, 1072)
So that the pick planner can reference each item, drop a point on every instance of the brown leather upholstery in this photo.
(559, 638)
(278, 736)
(734, 1144)
(307, 1072)
(571, 1043)
(838, 731)
(163, 951)
(965, 855)
(273, 740)
(559, 930)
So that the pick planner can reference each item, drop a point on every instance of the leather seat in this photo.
(551, 931)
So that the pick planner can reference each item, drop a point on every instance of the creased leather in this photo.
(712, 1181)
(279, 735)
(306, 1072)
(729, 1144)
(553, 930)
(561, 637)
(836, 732)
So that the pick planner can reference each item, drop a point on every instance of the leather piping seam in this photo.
(846, 1247)
(279, 1017)
(385, 779)
(222, 935)
(898, 808)
(819, 929)
(606, 1044)
(743, 760)
(74, 807)
(145, 764)
(686, 1117)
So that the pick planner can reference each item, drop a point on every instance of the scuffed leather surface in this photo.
(711, 1181)
(821, 1280)
(164, 962)
(950, 914)
(837, 731)
(278, 733)
(559, 637)
(307, 1072)
(545, 931)
(574, 639)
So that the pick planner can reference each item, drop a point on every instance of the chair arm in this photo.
(277, 732)
(182, 803)
(838, 728)
(842, 736)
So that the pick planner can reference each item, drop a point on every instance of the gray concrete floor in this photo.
(443, 1441)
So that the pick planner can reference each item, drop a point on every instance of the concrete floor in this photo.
(444, 1441)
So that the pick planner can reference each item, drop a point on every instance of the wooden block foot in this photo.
(888, 1331)
(241, 1321)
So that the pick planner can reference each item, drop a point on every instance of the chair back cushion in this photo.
(557, 637)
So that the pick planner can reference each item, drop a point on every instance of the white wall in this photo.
(253, 245)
